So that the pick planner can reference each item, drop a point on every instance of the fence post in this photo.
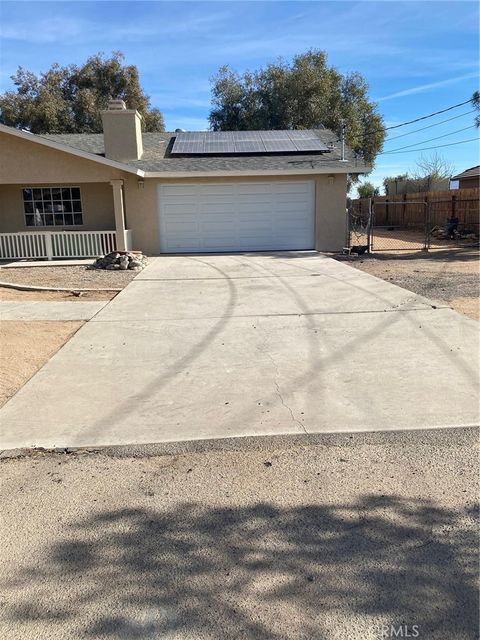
(428, 225)
(369, 223)
(48, 245)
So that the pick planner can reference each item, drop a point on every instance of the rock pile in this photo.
(122, 260)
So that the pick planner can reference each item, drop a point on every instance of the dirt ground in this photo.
(257, 539)
(25, 347)
(76, 277)
(451, 276)
(49, 296)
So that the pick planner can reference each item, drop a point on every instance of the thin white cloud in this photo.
(46, 31)
(427, 87)
(66, 29)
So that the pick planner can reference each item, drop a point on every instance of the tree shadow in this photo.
(259, 572)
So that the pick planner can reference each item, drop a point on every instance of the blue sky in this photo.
(418, 57)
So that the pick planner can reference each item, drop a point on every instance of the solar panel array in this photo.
(237, 142)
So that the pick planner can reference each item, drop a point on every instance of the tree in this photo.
(69, 99)
(476, 104)
(367, 190)
(394, 180)
(432, 170)
(303, 94)
(429, 174)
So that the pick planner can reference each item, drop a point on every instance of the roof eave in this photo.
(258, 172)
(33, 137)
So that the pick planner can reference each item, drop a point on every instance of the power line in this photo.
(402, 135)
(430, 115)
(404, 124)
(445, 135)
(438, 146)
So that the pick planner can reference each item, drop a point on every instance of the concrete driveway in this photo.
(233, 345)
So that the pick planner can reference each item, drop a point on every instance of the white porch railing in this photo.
(58, 244)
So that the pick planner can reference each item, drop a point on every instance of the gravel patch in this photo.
(71, 276)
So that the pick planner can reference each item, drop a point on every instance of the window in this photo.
(52, 206)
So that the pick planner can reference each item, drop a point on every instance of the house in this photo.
(86, 194)
(468, 179)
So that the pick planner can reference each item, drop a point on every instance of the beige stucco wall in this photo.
(330, 219)
(330, 212)
(122, 132)
(25, 162)
(97, 205)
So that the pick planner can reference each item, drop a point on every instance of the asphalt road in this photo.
(325, 537)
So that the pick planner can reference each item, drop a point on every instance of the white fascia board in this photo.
(33, 137)
(246, 174)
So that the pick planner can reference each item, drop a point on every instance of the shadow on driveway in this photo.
(256, 572)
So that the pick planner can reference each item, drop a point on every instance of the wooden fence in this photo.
(410, 209)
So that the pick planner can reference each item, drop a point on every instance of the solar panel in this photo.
(300, 134)
(310, 145)
(279, 145)
(229, 142)
(274, 135)
(219, 135)
(246, 136)
(219, 146)
(249, 146)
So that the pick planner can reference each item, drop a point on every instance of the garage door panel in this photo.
(292, 187)
(174, 191)
(236, 217)
(216, 191)
(254, 188)
(215, 209)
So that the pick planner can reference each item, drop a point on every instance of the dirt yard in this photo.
(74, 277)
(25, 347)
(49, 296)
(451, 277)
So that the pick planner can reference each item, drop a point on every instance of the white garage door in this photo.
(244, 216)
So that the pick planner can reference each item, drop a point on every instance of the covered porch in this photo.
(52, 221)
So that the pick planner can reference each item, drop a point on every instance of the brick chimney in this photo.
(122, 132)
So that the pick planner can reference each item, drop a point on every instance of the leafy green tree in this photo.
(367, 190)
(302, 94)
(69, 99)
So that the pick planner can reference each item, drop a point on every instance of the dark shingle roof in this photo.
(473, 172)
(157, 158)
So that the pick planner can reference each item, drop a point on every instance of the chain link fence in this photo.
(384, 224)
